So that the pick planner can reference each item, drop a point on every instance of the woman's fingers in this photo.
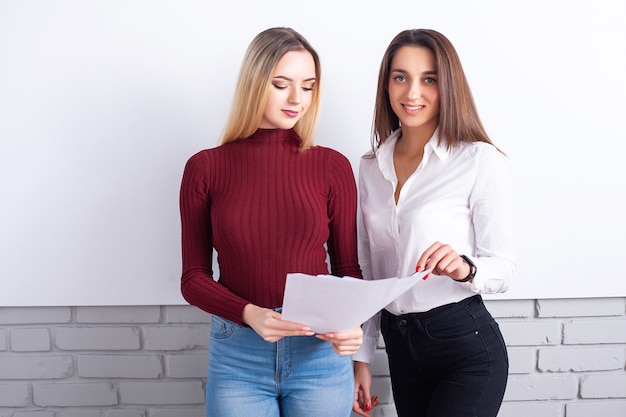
(268, 324)
(344, 343)
(443, 260)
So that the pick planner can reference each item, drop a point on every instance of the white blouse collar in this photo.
(384, 153)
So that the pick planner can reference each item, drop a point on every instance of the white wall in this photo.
(101, 103)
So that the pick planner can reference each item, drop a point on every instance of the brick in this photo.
(14, 395)
(380, 363)
(581, 307)
(161, 393)
(79, 413)
(176, 337)
(74, 395)
(382, 388)
(119, 366)
(511, 308)
(187, 366)
(522, 360)
(580, 359)
(186, 314)
(603, 386)
(36, 367)
(35, 315)
(531, 408)
(98, 338)
(34, 414)
(3, 340)
(531, 333)
(594, 331)
(127, 412)
(123, 314)
(30, 340)
(596, 408)
(542, 387)
(160, 412)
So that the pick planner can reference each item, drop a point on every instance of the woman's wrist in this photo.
(248, 312)
(471, 269)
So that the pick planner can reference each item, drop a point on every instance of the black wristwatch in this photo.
(473, 268)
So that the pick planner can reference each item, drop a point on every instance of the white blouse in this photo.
(461, 197)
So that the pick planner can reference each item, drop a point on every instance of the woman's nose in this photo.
(294, 96)
(414, 91)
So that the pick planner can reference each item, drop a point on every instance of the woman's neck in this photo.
(412, 141)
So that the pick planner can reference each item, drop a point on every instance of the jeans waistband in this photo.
(444, 309)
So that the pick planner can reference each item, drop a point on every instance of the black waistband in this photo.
(444, 309)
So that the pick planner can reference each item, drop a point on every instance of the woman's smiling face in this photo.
(413, 87)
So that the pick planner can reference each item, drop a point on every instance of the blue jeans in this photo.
(449, 361)
(295, 377)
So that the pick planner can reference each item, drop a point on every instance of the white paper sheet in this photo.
(328, 303)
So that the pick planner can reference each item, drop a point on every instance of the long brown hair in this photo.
(458, 117)
(255, 75)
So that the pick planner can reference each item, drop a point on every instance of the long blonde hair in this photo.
(255, 75)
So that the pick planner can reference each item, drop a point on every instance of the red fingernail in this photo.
(418, 268)
(426, 276)
(368, 407)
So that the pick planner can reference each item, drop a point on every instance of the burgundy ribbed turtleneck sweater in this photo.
(268, 210)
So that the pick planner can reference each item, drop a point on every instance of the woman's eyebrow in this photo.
(283, 77)
(402, 71)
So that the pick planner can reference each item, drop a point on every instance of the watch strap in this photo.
(472, 272)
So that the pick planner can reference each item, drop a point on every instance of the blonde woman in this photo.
(270, 202)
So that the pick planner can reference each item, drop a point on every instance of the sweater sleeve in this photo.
(198, 286)
(342, 205)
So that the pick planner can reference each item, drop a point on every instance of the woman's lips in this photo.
(412, 109)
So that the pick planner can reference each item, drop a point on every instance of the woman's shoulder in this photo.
(199, 157)
(212, 152)
(325, 150)
(487, 156)
(204, 159)
(330, 154)
(335, 164)
(482, 149)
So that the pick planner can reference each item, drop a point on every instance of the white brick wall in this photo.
(568, 359)
(139, 361)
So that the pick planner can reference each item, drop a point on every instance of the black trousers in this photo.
(450, 361)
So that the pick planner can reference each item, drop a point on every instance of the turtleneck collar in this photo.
(275, 135)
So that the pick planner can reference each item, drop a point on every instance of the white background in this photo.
(102, 103)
